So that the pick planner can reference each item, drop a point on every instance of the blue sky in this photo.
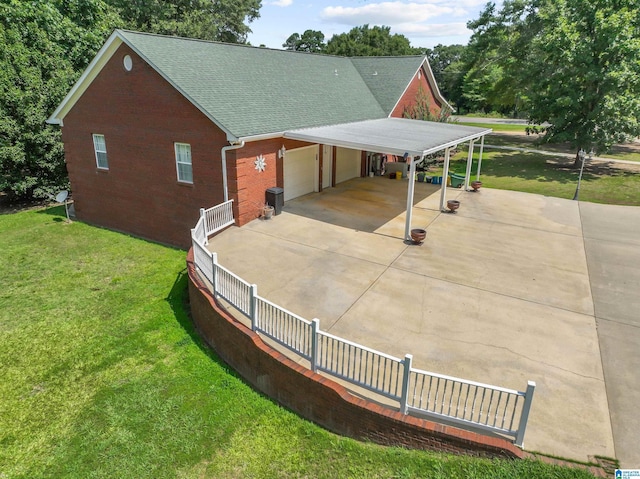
(425, 23)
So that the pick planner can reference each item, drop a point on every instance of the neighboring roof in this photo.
(251, 92)
(387, 77)
(396, 136)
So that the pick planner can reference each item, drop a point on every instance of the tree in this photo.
(40, 52)
(365, 41)
(421, 109)
(587, 84)
(574, 64)
(311, 41)
(446, 64)
(223, 20)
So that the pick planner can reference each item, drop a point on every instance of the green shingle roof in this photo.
(253, 91)
(387, 77)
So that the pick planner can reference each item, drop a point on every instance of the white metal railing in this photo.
(420, 393)
(283, 326)
(364, 367)
(217, 218)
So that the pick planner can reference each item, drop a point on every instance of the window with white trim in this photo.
(100, 147)
(183, 162)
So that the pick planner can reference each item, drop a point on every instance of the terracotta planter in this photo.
(476, 185)
(453, 205)
(418, 235)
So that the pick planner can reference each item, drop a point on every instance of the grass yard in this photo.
(602, 182)
(102, 376)
(515, 136)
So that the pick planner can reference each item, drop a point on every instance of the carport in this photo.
(401, 137)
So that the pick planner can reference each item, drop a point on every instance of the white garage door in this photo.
(300, 171)
(347, 164)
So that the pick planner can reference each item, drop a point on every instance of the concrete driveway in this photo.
(500, 292)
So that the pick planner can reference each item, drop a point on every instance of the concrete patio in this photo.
(501, 292)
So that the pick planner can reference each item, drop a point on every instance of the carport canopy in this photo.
(400, 137)
(396, 136)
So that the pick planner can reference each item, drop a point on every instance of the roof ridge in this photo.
(217, 42)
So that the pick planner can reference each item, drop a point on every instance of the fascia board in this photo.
(90, 73)
(432, 81)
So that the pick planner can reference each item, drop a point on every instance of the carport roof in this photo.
(396, 136)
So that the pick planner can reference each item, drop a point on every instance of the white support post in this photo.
(404, 398)
(467, 176)
(315, 327)
(214, 267)
(524, 416)
(253, 307)
(410, 192)
(480, 157)
(204, 222)
(445, 175)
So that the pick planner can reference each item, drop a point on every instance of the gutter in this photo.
(224, 166)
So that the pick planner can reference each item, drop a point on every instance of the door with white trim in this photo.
(300, 171)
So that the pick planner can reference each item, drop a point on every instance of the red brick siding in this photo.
(248, 185)
(320, 399)
(409, 96)
(141, 116)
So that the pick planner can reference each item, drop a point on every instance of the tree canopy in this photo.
(569, 63)
(310, 41)
(44, 47)
(365, 41)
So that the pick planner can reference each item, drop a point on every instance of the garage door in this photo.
(300, 171)
(347, 164)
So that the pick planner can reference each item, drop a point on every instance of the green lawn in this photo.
(104, 377)
(551, 176)
(626, 152)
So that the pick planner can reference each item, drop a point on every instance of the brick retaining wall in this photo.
(319, 398)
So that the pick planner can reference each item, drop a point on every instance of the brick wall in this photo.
(248, 185)
(320, 399)
(141, 116)
(410, 93)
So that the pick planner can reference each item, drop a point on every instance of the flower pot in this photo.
(267, 212)
(418, 235)
(476, 185)
(453, 205)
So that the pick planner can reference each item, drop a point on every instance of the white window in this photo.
(100, 148)
(183, 162)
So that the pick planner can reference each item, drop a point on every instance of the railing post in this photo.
(315, 327)
(204, 223)
(253, 307)
(404, 398)
(214, 266)
(524, 416)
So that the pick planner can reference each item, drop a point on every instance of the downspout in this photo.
(225, 186)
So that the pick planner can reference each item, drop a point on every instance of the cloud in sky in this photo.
(406, 17)
(282, 3)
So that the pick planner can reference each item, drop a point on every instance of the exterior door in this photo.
(300, 171)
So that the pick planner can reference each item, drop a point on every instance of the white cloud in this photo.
(432, 29)
(386, 13)
(282, 3)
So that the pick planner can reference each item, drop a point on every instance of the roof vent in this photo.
(375, 74)
(127, 62)
(335, 72)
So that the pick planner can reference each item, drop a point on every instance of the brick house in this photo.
(159, 126)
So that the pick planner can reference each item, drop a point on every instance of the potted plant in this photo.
(267, 211)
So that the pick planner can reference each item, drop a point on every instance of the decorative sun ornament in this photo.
(260, 163)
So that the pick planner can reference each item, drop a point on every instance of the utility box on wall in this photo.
(275, 197)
